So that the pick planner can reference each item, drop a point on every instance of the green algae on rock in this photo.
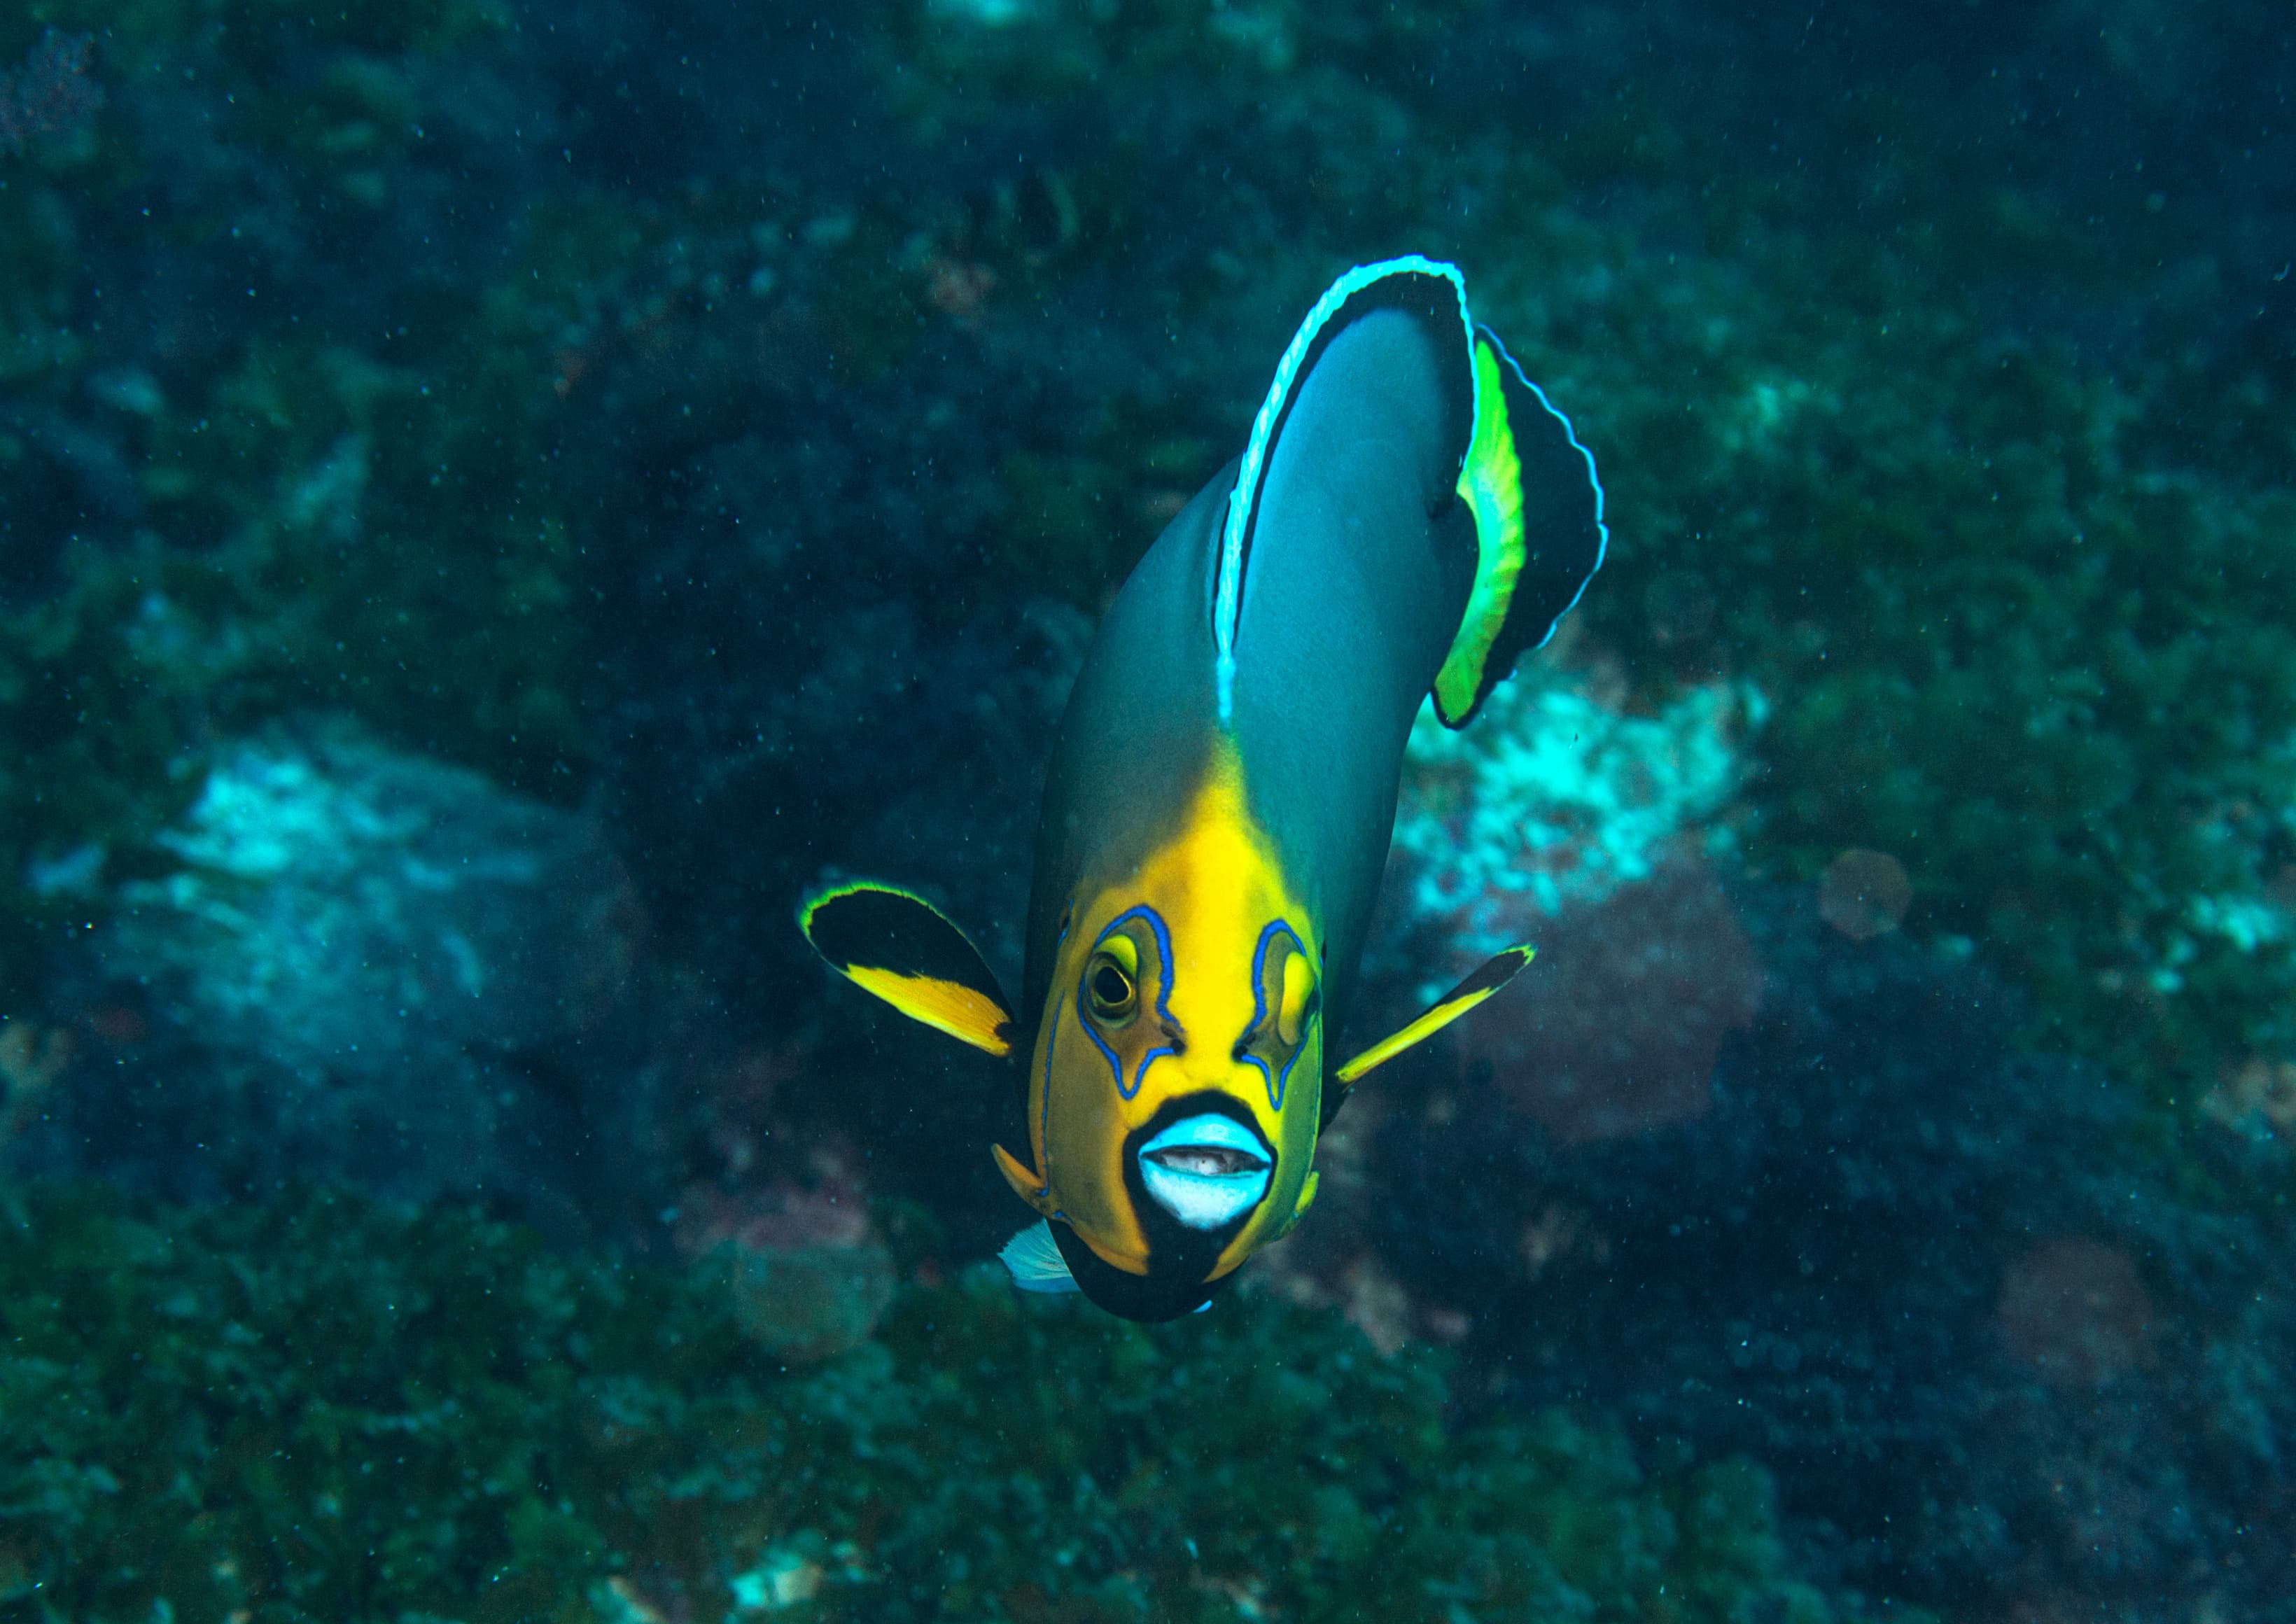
(2020, 627)
(319, 1410)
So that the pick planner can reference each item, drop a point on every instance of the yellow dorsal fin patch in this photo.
(1494, 973)
(1490, 483)
(898, 946)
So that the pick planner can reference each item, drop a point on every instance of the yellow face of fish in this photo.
(1175, 1088)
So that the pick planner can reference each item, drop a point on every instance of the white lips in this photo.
(1205, 1170)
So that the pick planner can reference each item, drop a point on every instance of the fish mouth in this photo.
(1206, 1170)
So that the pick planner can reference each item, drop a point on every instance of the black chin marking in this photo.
(1180, 1259)
(1149, 1298)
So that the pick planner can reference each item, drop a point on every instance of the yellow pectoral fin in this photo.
(965, 1013)
(1494, 973)
(1026, 1185)
(897, 945)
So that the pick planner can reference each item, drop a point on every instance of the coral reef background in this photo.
(495, 499)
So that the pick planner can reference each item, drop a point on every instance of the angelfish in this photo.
(1410, 515)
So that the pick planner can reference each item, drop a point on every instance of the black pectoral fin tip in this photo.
(904, 949)
(1490, 975)
(1494, 973)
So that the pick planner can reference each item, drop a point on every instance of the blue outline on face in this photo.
(1275, 1080)
(1163, 996)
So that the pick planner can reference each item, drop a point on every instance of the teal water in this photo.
(498, 502)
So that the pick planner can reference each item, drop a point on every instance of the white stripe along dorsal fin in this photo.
(1227, 595)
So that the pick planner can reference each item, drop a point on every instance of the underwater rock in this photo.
(409, 1375)
(788, 1573)
(808, 1302)
(350, 969)
(32, 1059)
(2257, 1099)
(1939, 1282)
(344, 906)
(1618, 1032)
(1564, 819)
(1558, 796)
(51, 95)
(805, 1275)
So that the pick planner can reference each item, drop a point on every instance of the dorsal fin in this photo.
(1531, 486)
(1539, 535)
(1424, 286)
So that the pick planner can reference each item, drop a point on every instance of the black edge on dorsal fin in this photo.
(1539, 531)
(895, 944)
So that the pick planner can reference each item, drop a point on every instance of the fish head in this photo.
(1176, 1079)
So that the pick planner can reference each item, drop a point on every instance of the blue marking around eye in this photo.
(1275, 1080)
(1153, 1054)
(1164, 995)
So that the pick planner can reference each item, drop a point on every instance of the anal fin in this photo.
(1033, 1258)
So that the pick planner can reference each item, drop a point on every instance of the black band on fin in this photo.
(1539, 529)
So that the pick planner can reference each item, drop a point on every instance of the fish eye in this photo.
(1113, 993)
